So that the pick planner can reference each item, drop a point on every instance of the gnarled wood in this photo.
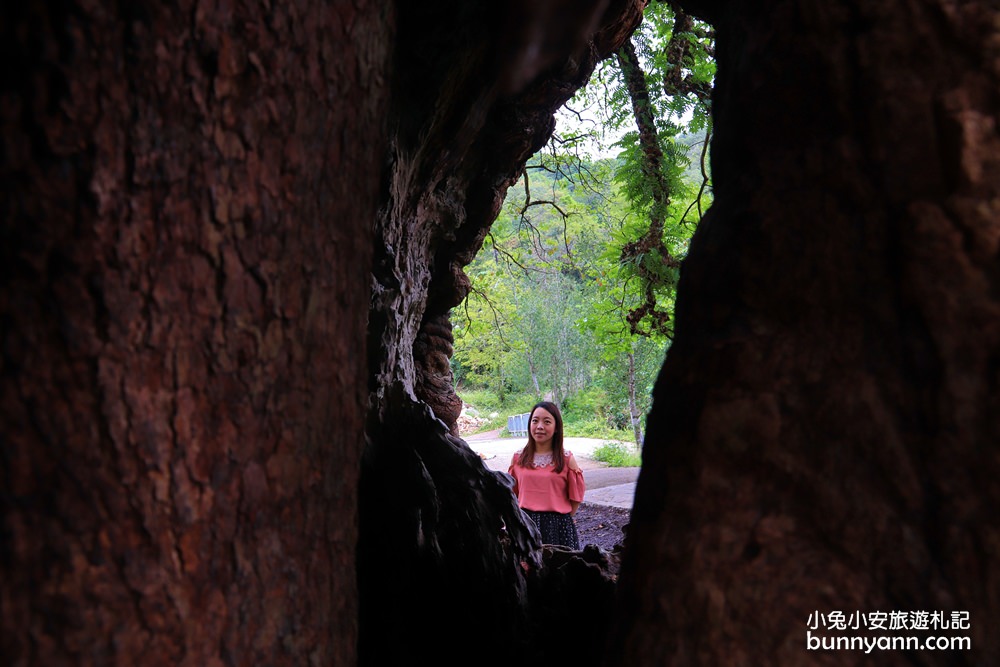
(442, 537)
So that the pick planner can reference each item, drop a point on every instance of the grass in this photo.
(618, 455)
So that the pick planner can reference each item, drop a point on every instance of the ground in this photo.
(601, 525)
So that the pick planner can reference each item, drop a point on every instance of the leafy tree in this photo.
(656, 92)
(521, 318)
(592, 247)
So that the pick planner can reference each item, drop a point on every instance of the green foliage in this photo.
(573, 289)
(618, 455)
(587, 404)
(654, 99)
(494, 409)
(594, 428)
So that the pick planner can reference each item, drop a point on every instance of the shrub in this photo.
(594, 428)
(484, 400)
(585, 405)
(618, 455)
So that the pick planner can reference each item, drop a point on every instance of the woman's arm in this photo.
(574, 468)
(510, 471)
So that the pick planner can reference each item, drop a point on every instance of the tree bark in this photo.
(824, 432)
(534, 376)
(649, 142)
(633, 409)
(204, 207)
(185, 282)
(677, 78)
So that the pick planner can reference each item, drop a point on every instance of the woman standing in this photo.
(548, 482)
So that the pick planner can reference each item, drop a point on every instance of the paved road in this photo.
(605, 486)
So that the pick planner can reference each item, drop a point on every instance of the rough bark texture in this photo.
(183, 310)
(202, 203)
(476, 86)
(824, 434)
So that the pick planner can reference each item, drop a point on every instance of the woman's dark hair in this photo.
(528, 453)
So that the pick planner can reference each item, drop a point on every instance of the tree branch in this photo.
(639, 252)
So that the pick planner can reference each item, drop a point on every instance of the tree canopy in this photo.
(573, 290)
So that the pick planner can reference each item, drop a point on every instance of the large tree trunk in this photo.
(824, 434)
(185, 289)
(201, 205)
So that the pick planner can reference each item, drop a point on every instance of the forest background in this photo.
(573, 290)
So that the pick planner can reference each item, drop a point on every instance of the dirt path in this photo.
(601, 525)
(485, 435)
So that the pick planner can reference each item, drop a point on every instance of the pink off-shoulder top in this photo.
(544, 490)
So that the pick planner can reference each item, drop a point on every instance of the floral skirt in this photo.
(556, 528)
